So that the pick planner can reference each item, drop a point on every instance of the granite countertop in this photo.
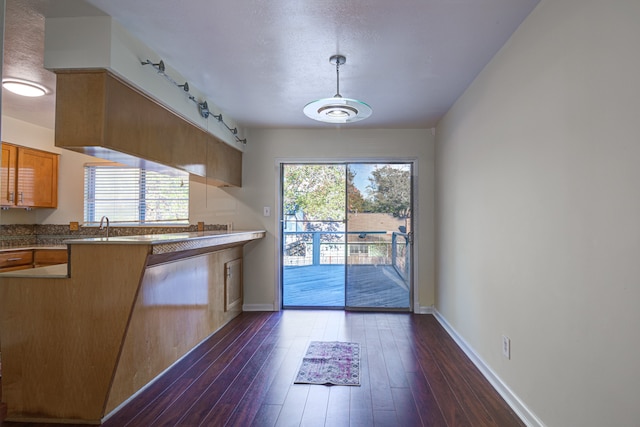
(160, 244)
(175, 241)
(57, 271)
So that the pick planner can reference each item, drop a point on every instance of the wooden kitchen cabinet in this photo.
(16, 260)
(233, 285)
(29, 177)
(8, 174)
(28, 258)
(101, 115)
(44, 257)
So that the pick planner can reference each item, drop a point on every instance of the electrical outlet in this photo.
(266, 211)
(506, 347)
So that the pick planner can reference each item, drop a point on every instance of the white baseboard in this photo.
(424, 310)
(525, 414)
(258, 307)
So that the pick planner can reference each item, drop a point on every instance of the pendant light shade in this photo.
(337, 109)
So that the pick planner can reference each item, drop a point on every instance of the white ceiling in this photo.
(262, 61)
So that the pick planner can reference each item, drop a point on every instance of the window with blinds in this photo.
(134, 195)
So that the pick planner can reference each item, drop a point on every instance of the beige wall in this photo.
(538, 213)
(100, 42)
(243, 206)
(70, 179)
(260, 185)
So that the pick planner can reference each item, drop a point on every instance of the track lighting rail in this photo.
(203, 107)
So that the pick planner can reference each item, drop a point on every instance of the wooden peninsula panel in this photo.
(78, 344)
(101, 115)
(178, 306)
(61, 336)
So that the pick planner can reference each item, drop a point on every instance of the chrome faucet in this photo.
(102, 226)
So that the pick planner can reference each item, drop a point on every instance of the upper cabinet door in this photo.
(37, 179)
(8, 175)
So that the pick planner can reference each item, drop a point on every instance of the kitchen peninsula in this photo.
(78, 340)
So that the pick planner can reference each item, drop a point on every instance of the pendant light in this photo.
(337, 109)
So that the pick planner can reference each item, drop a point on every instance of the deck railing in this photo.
(307, 248)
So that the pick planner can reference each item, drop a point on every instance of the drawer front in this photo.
(16, 258)
(15, 268)
(50, 256)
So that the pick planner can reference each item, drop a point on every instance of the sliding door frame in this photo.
(278, 218)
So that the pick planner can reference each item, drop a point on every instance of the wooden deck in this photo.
(370, 286)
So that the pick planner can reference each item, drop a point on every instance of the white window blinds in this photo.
(134, 195)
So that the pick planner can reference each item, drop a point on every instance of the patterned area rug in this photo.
(330, 363)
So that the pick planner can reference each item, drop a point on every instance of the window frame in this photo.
(92, 215)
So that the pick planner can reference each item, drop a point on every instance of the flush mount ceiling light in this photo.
(337, 109)
(24, 88)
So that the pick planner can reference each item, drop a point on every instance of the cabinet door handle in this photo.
(11, 196)
(21, 198)
(14, 259)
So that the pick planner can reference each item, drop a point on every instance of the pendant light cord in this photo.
(338, 79)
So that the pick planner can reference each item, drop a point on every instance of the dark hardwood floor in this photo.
(412, 374)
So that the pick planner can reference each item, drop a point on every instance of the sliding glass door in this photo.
(378, 238)
(346, 235)
(313, 235)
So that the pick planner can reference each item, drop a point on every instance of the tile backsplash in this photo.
(18, 235)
